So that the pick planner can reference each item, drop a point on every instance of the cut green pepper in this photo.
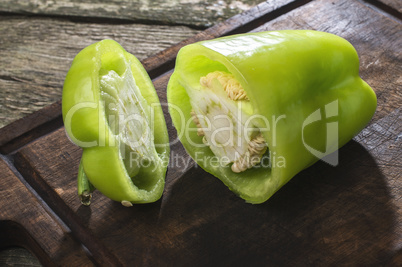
(256, 109)
(111, 110)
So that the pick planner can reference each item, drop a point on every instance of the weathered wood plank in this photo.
(201, 13)
(344, 215)
(24, 222)
(37, 52)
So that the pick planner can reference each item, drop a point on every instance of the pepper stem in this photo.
(84, 186)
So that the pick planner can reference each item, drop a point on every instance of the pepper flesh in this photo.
(243, 149)
(111, 109)
(289, 77)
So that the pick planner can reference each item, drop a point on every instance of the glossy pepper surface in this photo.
(111, 110)
(256, 109)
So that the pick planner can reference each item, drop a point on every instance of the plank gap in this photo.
(384, 9)
(101, 20)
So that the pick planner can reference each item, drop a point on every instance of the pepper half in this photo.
(256, 109)
(111, 110)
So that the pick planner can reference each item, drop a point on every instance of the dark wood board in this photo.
(25, 222)
(198, 13)
(345, 215)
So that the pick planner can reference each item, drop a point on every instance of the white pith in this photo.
(222, 113)
(127, 112)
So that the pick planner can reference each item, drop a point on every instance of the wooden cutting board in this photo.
(345, 215)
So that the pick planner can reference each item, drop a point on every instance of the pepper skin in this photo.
(300, 90)
(111, 110)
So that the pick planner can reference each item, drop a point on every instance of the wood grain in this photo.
(200, 13)
(37, 53)
(344, 215)
(27, 224)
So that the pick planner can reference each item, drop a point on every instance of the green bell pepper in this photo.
(111, 110)
(256, 109)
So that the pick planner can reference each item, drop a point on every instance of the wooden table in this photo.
(345, 215)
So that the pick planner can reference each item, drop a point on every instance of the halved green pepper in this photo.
(256, 109)
(111, 110)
